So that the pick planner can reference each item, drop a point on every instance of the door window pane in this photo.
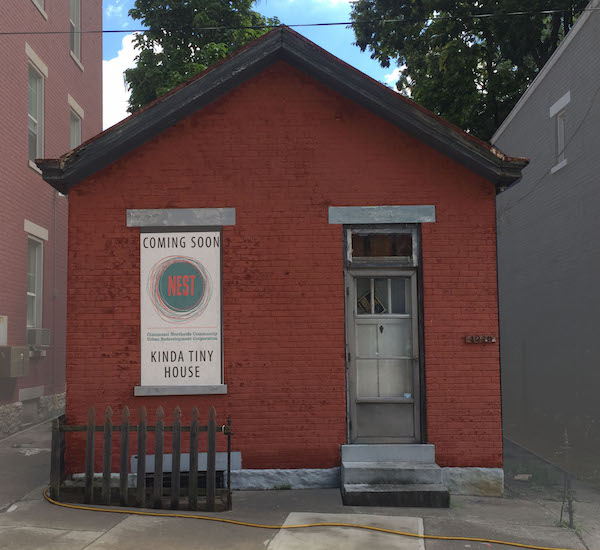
(367, 378)
(395, 378)
(394, 337)
(398, 291)
(381, 296)
(363, 296)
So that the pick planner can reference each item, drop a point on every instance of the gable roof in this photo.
(590, 8)
(280, 44)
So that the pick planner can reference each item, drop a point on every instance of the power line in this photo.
(325, 24)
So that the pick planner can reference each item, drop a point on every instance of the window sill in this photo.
(558, 166)
(34, 167)
(41, 10)
(216, 389)
(78, 63)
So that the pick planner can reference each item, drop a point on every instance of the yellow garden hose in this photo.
(325, 524)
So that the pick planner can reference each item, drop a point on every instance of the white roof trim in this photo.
(546, 68)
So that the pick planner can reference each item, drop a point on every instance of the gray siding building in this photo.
(549, 258)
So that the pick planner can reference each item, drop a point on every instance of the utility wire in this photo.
(326, 24)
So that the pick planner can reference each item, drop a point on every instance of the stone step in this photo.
(417, 495)
(377, 473)
(416, 453)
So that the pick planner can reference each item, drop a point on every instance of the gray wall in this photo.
(549, 265)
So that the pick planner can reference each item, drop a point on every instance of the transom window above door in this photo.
(382, 296)
(390, 246)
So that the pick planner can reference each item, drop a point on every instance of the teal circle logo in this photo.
(179, 288)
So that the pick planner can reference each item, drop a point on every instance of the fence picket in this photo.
(211, 459)
(94, 492)
(89, 456)
(55, 461)
(107, 456)
(141, 462)
(124, 455)
(158, 458)
(193, 479)
(176, 463)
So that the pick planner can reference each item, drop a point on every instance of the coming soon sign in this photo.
(180, 308)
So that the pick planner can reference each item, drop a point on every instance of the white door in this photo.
(383, 356)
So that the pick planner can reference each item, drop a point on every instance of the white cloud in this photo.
(393, 77)
(114, 92)
(114, 10)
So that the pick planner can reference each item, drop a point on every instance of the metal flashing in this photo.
(381, 214)
(181, 217)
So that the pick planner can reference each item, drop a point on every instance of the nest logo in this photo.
(179, 288)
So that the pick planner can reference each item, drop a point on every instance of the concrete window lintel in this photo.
(181, 217)
(381, 214)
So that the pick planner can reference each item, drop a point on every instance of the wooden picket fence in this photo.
(158, 494)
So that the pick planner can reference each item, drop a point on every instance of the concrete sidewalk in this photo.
(28, 522)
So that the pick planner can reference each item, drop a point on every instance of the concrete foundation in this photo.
(18, 415)
(459, 481)
(285, 479)
(487, 482)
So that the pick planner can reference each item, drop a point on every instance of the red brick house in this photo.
(343, 248)
(50, 100)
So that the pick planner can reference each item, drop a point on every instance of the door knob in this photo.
(381, 329)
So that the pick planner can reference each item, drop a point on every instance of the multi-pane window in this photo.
(75, 122)
(35, 274)
(75, 27)
(382, 296)
(35, 111)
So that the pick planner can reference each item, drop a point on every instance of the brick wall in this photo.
(281, 148)
(24, 195)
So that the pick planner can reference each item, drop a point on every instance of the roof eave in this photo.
(289, 46)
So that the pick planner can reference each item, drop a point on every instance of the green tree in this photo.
(176, 45)
(467, 69)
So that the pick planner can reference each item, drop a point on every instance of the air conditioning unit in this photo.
(38, 338)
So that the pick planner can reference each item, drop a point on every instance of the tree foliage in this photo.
(176, 47)
(469, 70)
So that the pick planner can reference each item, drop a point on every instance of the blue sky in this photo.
(118, 51)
